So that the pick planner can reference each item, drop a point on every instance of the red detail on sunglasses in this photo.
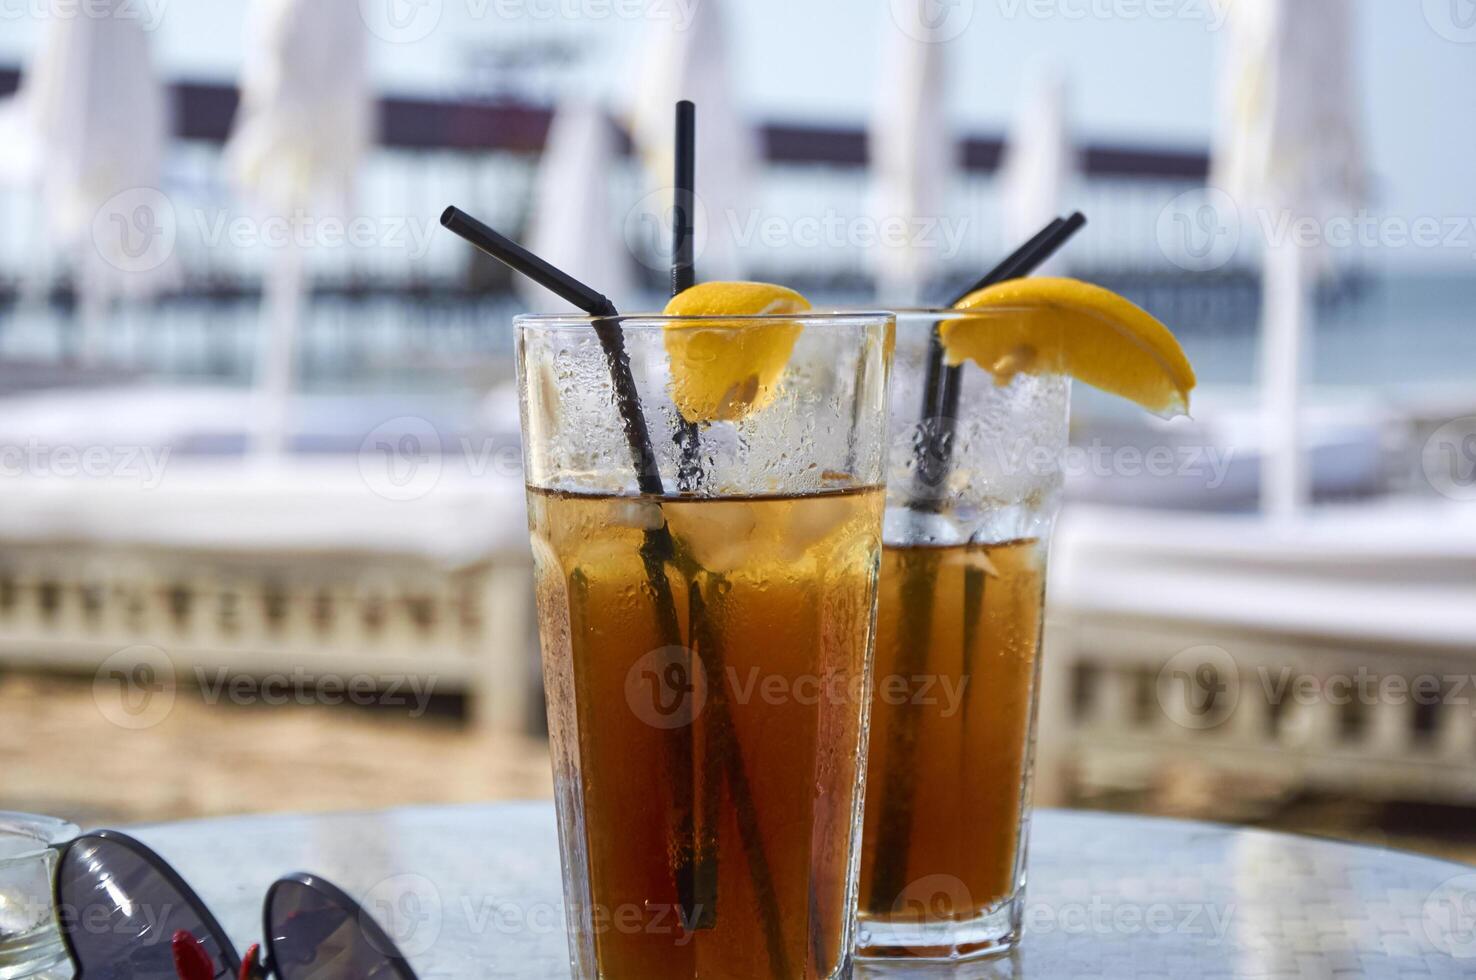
(191, 961)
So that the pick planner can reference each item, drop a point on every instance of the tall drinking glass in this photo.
(707, 632)
(974, 484)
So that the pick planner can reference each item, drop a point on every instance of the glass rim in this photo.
(644, 320)
(948, 312)
(46, 831)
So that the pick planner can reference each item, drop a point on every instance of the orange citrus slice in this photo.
(724, 370)
(1065, 326)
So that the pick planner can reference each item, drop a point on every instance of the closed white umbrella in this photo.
(691, 61)
(1040, 161)
(303, 127)
(89, 127)
(1290, 148)
(912, 153)
(572, 225)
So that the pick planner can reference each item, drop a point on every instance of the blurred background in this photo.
(262, 540)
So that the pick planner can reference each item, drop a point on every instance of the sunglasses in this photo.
(125, 914)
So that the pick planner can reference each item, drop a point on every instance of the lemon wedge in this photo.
(724, 370)
(1065, 326)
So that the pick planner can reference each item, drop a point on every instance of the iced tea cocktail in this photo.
(706, 649)
(972, 494)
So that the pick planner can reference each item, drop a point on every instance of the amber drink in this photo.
(972, 495)
(706, 649)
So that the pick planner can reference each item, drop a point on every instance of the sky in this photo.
(1139, 70)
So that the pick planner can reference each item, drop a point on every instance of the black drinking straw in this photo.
(941, 389)
(696, 873)
(1030, 256)
(519, 259)
(1022, 263)
(658, 547)
(684, 272)
(596, 304)
(683, 230)
(942, 385)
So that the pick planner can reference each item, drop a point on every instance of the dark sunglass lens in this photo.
(318, 933)
(120, 914)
